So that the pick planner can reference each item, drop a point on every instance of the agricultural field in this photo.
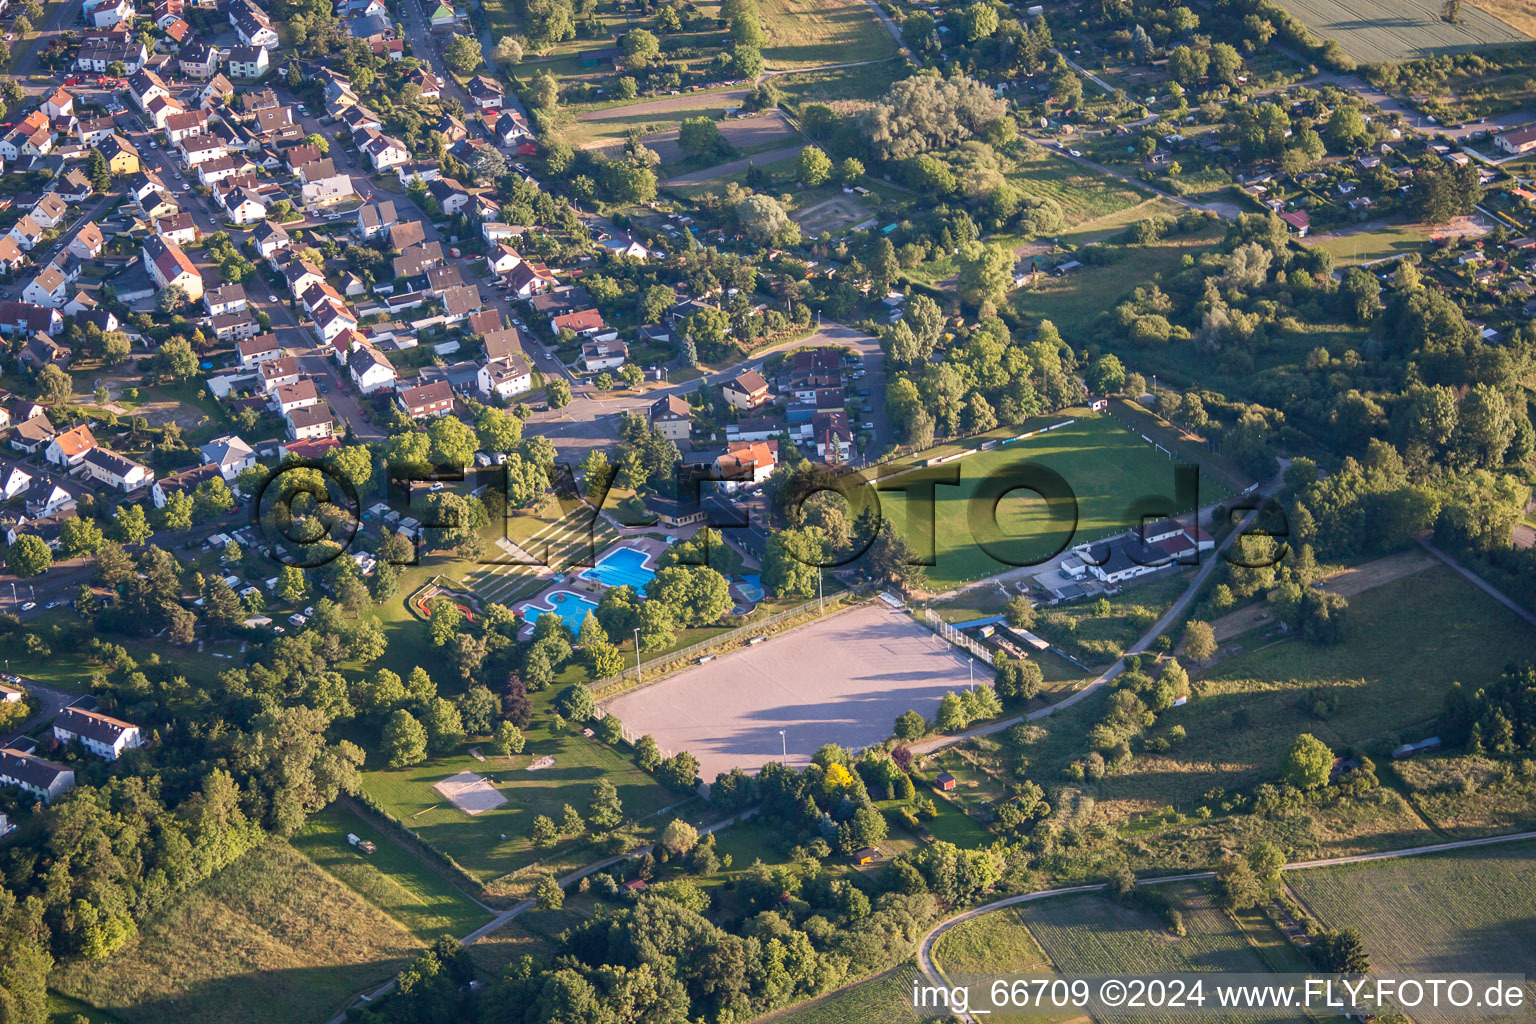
(813, 33)
(476, 842)
(1248, 709)
(1107, 467)
(1089, 934)
(1373, 31)
(270, 938)
(1516, 13)
(1470, 911)
(885, 999)
(392, 879)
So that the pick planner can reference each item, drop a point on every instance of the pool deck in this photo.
(575, 583)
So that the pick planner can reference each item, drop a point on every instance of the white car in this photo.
(29, 606)
(271, 298)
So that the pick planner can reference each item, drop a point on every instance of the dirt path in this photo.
(722, 170)
(1360, 578)
(665, 105)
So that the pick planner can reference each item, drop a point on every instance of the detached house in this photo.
(435, 399)
(603, 355)
(505, 378)
(70, 448)
(168, 265)
(672, 417)
(747, 392)
(371, 371)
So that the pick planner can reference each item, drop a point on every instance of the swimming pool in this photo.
(621, 568)
(572, 608)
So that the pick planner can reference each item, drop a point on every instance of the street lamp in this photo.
(784, 743)
(973, 670)
(637, 654)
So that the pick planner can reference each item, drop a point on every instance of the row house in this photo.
(42, 778)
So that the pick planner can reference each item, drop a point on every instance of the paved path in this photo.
(1167, 619)
(1095, 79)
(1480, 583)
(934, 975)
(50, 702)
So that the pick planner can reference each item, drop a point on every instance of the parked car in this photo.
(29, 606)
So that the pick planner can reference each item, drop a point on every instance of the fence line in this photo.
(954, 636)
(670, 661)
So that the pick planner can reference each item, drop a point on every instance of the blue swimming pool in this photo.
(570, 607)
(624, 567)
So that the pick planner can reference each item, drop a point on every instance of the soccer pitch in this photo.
(1111, 478)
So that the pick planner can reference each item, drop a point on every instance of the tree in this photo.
(984, 273)
(1240, 888)
(543, 832)
(508, 51)
(463, 54)
(544, 91)
(910, 725)
(291, 584)
(575, 701)
(981, 21)
(1018, 678)
(764, 220)
(558, 393)
(640, 47)
(175, 358)
(679, 837)
(54, 386)
(1107, 375)
(548, 894)
(405, 740)
(80, 536)
(790, 562)
(508, 739)
(478, 708)
(29, 556)
(1342, 952)
(604, 812)
(1307, 763)
(815, 167)
(130, 525)
(1021, 612)
(850, 170)
(1199, 640)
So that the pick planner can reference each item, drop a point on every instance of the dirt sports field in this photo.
(842, 680)
(471, 793)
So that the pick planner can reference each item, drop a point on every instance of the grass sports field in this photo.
(1107, 467)
(1089, 934)
(1382, 30)
(1472, 911)
(270, 938)
(475, 842)
(811, 33)
(392, 879)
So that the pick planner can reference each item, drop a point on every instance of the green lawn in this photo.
(392, 879)
(1107, 468)
(1378, 243)
(270, 938)
(1247, 711)
(810, 33)
(475, 841)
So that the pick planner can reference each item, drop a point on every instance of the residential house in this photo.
(102, 734)
(248, 62)
(746, 463)
(295, 396)
(167, 265)
(244, 206)
(375, 219)
(746, 392)
(33, 433)
(116, 471)
(371, 370)
(486, 93)
(42, 778)
(88, 241)
(230, 454)
(529, 279)
(831, 435)
(331, 318)
(183, 126)
(624, 245)
(26, 233)
(99, 54)
(145, 86)
(505, 378)
(322, 192)
(460, 302)
(48, 288)
(1516, 142)
(260, 349)
(50, 209)
(435, 399)
(269, 237)
(179, 228)
(185, 482)
(384, 152)
(226, 298)
(603, 355)
(198, 60)
(122, 157)
(502, 259)
(41, 350)
(31, 319)
(278, 373)
(672, 417)
(308, 423)
(70, 448)
(583, 322)
(450, 195)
